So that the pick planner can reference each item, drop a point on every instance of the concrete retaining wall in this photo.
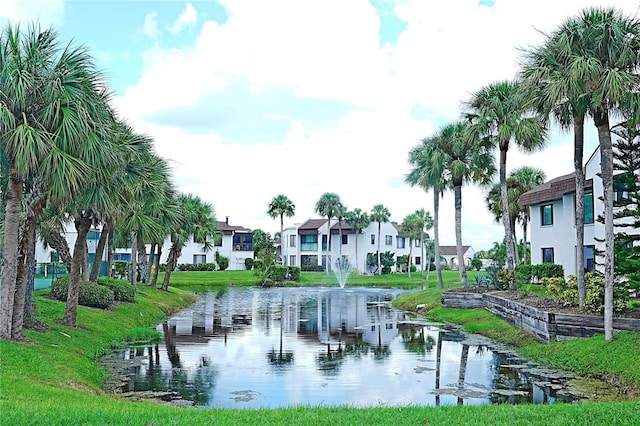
(544, 326)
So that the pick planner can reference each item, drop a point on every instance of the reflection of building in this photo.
(327, 316)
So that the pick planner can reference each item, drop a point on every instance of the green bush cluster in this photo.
(122, 289)
(90, 294)
(120, 268)
(280, 273)
(197, 267)
(258, 265)
(248, 263)
(567, 292)
(294, 273)
(526, 274)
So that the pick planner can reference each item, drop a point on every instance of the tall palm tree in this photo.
(466, 159)
(428, 173)
(500, 113)
(413, 227)
(559, 93)
(380, 214)
(49, 107)
(526, 179)
(493, 201)
(600, 47)
(281, 206)
(327, 205)
(358, 220)
(197, 222)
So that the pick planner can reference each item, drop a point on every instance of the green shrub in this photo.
(567, 292)
(546, 270)
(258, 264)
(278, 273)
(294, 273)
(122, 289)
(90, 293)
(223, 263)
(120, 268)
(413, 268)
(476, 264)
(197, 267)
(506, 278)
(248, 263)
(523, 275)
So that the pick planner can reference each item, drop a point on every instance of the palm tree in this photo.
(413, 227)
(493, 201)
(599, 47)
(50, 111)
(466, 159)
(281, 206)
(380, 214)
(358, 220)
(197, 221)
(340, 213)
(526, 179)
(559, 93)
(327, 205)
(500, 113)
(428, 173)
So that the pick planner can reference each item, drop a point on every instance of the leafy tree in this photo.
(412, 227)
(380, 214)
(358, 220)
(501, 114)
(328, 204)
(627, 214)
(281, 206)
(264, 250)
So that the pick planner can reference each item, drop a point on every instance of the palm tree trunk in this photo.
(150, 263)
(174, 254)
(516, 248)
(26, 262)
(409, 258)
(457, 190)
(284, 261)
(110, 247)
(601, 120)
(578, 142)
(156, 270)
(144, 263)
(83, 224)
(505, 210)
(525, 259)
(97, 260)
(85, 264)
(59, 243)
(133, 273)
(379, 231)
(327, 266)
(436, 238)
(357, 264)
(9, 271)
(464, 358)
(31, 275)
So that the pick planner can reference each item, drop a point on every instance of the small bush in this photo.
(523, 275)
(546, 270)
(567, 292)
(278, 272)
(90, 293)
(248, 263)
(294, 273)
(120, 268)
(476, 264)
(122, 289)
(223, 263)
(258, 264)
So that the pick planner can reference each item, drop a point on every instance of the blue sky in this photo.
(248, 99)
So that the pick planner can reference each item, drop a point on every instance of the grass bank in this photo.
(53, 379)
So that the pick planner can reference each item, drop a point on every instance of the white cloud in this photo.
(150, 26)
(188, 16)
(48, 13)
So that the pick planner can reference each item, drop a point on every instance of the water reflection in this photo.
(251, 348)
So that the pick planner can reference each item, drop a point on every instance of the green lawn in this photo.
(52, 378)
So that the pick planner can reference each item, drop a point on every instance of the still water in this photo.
(321, 346)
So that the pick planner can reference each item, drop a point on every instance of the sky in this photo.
(249, 99)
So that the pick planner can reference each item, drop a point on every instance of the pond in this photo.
(322, 346)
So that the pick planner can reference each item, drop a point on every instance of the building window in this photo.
(400, 242)
(345, 239)
(217, 239)
(324, 241)
(309, 262)
(547, 255)
(373, 239)
(309, 242)
(588, 208)
(243, 242)
(546, 213)
(417, 240)
(589, 258)
(417, 260)
(292, 240)
(388, 240)
(292, 260)
(199, 258)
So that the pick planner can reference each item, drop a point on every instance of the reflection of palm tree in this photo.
(438, 359)
(280, 358)
(172, 350)
(464, 356)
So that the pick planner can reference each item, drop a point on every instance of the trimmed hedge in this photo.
(526, 274)
(294, 273)
(122, 289)
(90, 294)
(278, 272)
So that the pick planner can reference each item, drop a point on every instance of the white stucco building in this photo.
(553, 231)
